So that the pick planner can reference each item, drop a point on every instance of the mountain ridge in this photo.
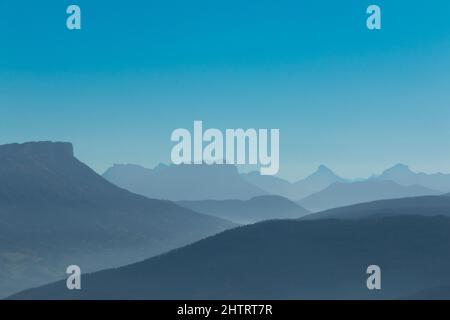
(55, 211)
(319, 180)
(248, 211)
(176, 182)
(283, 259)
(345, 194)
(403, 175)
(423, 205)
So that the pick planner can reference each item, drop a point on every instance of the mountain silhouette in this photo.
(403, 175)
(319, 180)
(398, 172)
(273, 185)
(283, 259)
(344, 194)
(56, 211)
(425, 206)
(248, 211)
(184, 182)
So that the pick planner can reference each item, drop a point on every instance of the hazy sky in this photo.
(353, 99)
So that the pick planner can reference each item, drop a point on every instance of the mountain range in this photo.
(213, 182)
(321, 190)
(404, 176)
(248, 211)
(319, 180)
(56, 211)
(184, 182)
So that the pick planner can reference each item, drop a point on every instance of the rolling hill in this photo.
(248, 211)
(344, 194)
(436, 293)
(283, 259)
(425, 206)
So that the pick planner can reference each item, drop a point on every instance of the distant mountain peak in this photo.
(403, 175)
(401, 165)
(398, 169)
(325, 172)
(324, 169)
(319, 180)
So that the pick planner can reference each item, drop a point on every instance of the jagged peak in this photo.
(399, 167)
(324, 168)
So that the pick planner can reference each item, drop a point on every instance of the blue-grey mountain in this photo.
(248, 211)
(318, 180)
(403, 175)
(56, 211)
(284, 259)
(184, 182)
(426, 206)
(344, 194)
(273, 185)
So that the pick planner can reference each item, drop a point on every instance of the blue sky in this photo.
(353, 99)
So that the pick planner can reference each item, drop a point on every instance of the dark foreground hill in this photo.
(345, 194)
(425, 206)
(248, 211)
(436, 293)
(56, 211)
(286, 259)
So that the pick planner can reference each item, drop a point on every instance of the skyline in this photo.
(355, 100)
